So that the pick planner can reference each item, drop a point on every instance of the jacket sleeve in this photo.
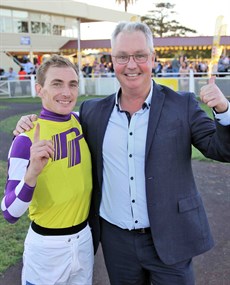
(208, 136)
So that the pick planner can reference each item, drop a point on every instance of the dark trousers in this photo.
(131, 259)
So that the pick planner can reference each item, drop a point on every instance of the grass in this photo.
(21, 100)
(9, 123)
(4, 107)
(38, 100)
(12, 236)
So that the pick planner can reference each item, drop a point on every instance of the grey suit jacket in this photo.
(176, 212)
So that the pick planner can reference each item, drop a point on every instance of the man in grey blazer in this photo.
(146, 209)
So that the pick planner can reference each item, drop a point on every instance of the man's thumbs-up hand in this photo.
(211, 95)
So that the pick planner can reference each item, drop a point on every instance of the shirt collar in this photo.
(146, 104)
(49, 115)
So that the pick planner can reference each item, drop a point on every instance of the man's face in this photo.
(132, 75)
(60, 90)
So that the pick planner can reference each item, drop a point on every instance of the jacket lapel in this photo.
(158, 98)
(104, 113)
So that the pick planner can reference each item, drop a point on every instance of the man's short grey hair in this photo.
(131, 27)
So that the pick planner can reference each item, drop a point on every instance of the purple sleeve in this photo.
(18, 194)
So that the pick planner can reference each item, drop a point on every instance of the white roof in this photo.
(83, 12)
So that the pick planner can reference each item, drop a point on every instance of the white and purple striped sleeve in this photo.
(17, 194)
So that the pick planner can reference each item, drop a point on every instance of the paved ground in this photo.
(211, 268)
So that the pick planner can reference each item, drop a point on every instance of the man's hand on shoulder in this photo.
(25, 124)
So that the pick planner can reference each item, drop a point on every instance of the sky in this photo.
(199, 15)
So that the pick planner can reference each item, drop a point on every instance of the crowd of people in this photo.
(103, 67)
(99, 68)
(181, 66)
(145, 210)
(27, 68)
(223, 64)
(177, 67)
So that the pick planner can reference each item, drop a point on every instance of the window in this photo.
(15, 21)
(35, 16)
(46, 28)
(5, 21)
(71, 28)
(21, 26)
(5, 12)
(6, 25)
(20, 14)
(57, 30)
(45, 18)
(58, 20)
(35, 27)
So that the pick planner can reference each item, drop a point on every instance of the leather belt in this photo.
(139, 231)
(142, 230)
(58, 232)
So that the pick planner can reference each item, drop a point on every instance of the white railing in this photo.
(17, 88)
(192, 82)
(108, 84)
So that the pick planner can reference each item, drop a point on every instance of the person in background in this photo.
(158, 69)
(12, 77)
(22, 77)
(87, 70)
(96, 68)
(146, 209)
(175, 66)
(184, 74)
(223, 65)
(32, 71)
(2, 73)
(49, 172)
(28, 66)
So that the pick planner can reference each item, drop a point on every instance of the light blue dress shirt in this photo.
(123, 191)
(223, 118)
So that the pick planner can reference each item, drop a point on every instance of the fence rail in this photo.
(108, 84)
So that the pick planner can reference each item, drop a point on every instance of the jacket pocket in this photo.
(189, 203)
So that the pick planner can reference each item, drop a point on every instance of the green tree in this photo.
(161, 23)
(126, 2)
